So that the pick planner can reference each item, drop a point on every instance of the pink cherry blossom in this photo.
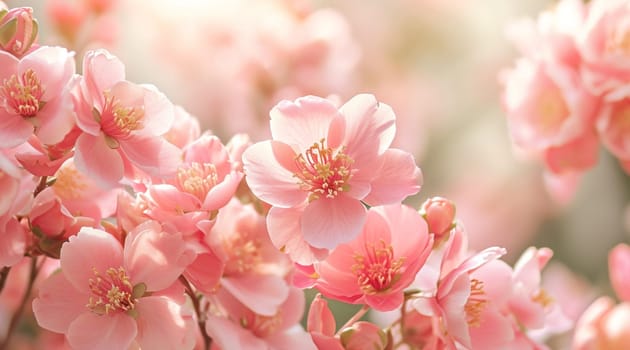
(440, 214)
(107, 296)
(254, 271)
(234, 326)
(203, 183)
(34, 96)
(603, 326)
(376, 267)
(466, 306)
(604, 47)
(122, 123)
(323, 162)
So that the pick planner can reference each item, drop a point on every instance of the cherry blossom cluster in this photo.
(124, 226)
(568, 93)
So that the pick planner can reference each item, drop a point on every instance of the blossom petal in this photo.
(303, 122)
(229, 335)
(328, 222)
(95, 332)
(93, 157)
(14, 130)
(268, 179)
(58, 303)
(370, 127)
(154, 155)
(90, 250)
(162, 324)
(284, 227)
(263, 294)
(154, 257)
(398, 178)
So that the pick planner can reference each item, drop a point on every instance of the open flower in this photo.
(380, 263)
(34, 96)
(323, 162)
(107, 296)
(122, 123)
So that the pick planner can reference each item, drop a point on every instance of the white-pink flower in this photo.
(323, 163)
(108, 297)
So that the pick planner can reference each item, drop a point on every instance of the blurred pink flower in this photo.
(324, 163)
(619, 265)
(34, 96)
(376, 267)
(122, 123)
(107, 296)
(237, 327)
(603, 44)
(603, 326)
(254, 271)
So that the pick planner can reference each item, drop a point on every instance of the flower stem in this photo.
(4, 273)
(25, 298)
(201, 321)
(354, 318)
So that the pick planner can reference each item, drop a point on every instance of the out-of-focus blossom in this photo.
(603, 44)
(234, 326)
(619, 265)
(603, 326)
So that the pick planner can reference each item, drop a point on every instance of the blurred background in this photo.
(437, 63)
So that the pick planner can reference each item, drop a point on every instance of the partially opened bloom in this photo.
(322, 163)
(603, 326)
(18, 30)
(376, 267)
(108, 297)
(122, 123)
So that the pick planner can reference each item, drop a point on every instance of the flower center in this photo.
(197, 179)
(262, 326)
(552, 109)
(543, 298)
(118, 121)
(69, 182)
(618, 41)
(323, 172)
(377, 270)
(24, 94)
(475, 303)
(243, 254)
(111, 292)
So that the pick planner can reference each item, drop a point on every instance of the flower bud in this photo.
(364, 335)
(439, 213)
(18, 30)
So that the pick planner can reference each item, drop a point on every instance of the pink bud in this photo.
(364, 335)
(619, 265)
(439, 213)
(18, 30)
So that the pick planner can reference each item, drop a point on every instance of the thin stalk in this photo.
(201, 321)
